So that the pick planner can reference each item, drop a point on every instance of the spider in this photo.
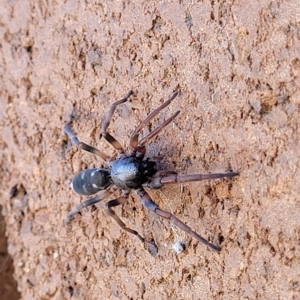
(131, 172)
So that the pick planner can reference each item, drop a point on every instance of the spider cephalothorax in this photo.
(132, 172)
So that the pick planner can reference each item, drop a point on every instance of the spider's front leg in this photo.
(148, 203)
(160, 181)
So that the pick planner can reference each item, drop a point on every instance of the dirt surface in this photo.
(237, 67)
(8, 286)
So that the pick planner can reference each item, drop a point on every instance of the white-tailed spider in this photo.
(132, 172)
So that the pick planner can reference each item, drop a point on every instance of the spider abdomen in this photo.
(91, 181)
(129, 172)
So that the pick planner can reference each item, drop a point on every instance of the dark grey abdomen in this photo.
(91, 181)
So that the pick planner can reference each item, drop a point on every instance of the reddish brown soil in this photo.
(237, 67)
(8, 286)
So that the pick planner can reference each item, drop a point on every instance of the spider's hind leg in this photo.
(149, 244)
(75, 141)
(76, 209)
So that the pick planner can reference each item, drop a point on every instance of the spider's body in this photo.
(125, 173)
(131, 172)
(91, 181)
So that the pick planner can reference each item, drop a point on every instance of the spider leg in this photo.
(148, 203)
(107, 120)
(135, 135)
(75, 141)
(141, 144)
(164, 173)
(75, 210)
(158, 182)
(116, 202)
(149, 245)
